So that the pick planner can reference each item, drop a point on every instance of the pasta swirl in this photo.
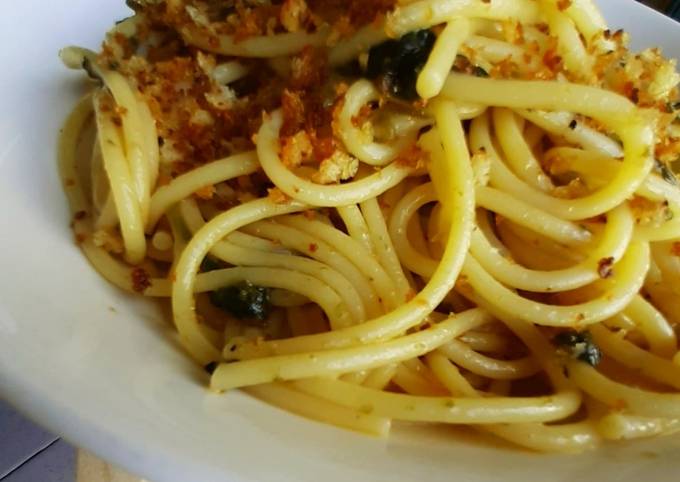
(460, 212)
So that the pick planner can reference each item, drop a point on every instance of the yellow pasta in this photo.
(427, 211)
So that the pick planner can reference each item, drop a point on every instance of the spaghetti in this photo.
(452, 211)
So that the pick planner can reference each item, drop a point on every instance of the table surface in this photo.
(30, 454)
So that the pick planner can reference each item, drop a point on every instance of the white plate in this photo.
(102, 369)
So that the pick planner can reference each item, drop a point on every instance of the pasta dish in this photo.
(365, 211)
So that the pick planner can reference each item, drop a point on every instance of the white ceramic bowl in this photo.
(104, 370)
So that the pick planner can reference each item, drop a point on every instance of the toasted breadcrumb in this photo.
(413, 157)
(206, 193)
(277, 195)
(296, 149)
(675, 249)
(338, 167)
(294, 14)
(140, 280)
(200, 119)
(110, 242)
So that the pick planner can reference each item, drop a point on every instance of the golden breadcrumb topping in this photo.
(208, 106)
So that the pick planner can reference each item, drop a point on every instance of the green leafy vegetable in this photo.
(579, 345)
(666, 172)
(398, 62)
(91, 73)
(479, 72)
(672, 107)
(211, 367)
(244, 301)
(210, 264)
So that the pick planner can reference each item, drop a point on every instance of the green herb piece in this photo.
(477, 71)
(580, 346)
(210, 264)
(398, 62)
(243, 300)
(91, 73)
(665, 172)
(211, 367)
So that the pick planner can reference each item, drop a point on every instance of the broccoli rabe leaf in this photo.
(580, 346)
(666, 172)
(210, 264)
(243, 300)
(398, 62)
